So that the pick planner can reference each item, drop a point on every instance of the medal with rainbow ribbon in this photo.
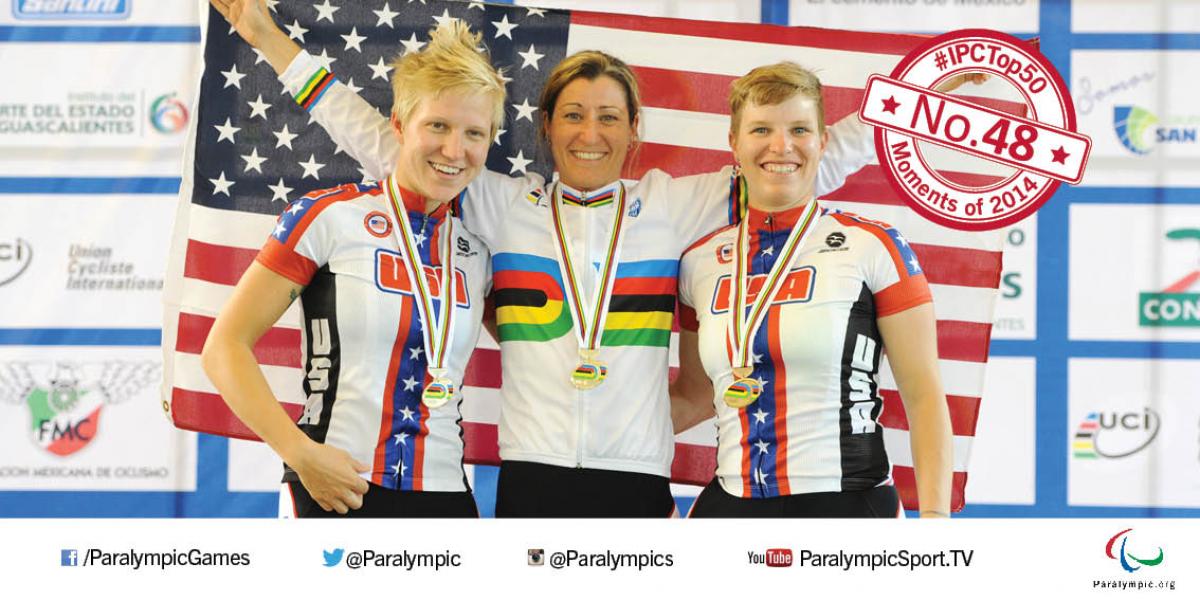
(743, 323)
(588, 319)
(438, 331)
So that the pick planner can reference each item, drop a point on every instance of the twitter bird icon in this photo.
(333, 557)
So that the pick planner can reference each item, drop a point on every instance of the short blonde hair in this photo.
(769, 85)
(455, 60)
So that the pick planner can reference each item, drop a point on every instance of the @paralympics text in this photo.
(611, 560)
(903, 559)
(405, 560)
(132, 559)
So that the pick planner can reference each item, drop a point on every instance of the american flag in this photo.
(252, 150)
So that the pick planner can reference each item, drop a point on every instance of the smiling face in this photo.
(779, 147)
(591, 132)
(443, 143)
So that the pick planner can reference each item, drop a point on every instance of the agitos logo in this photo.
(1126, 434)
(1125, 556)
(1175, 306)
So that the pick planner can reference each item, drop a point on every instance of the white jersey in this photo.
(624, 424)
(815, 427)
(364, 359)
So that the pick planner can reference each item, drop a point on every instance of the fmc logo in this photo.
(71, 9)
(1124, 434)
(1139, 130)
(65, 398)
(15, 257)
(1125, 556)
(1176, 305)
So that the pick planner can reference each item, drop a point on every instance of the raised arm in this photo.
(910, 338)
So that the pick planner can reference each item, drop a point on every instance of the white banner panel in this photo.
(1139, 107)
(88, 418)
(1135, 271)
(1004, 455)
(83, 261)
(917, 16)
(1133, 433)
(1016, 307)
(1141, 16)
(30, 13)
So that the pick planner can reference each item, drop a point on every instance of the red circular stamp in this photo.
(1030, 144)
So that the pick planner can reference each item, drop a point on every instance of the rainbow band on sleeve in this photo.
(317, 85)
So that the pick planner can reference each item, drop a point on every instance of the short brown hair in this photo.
(590, 65)
(769, 85)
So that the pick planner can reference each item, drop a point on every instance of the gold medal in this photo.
(438, 392)
(590, 372)
(742, 392)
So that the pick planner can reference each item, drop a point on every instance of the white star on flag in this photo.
(478, 5)
(325, 11)
(519, 163)
(258, 108)
(760, 477)
(769, 250)
(499, 132)
(296, 208)
(325, 60)
(504, 28)
(524, 110)
(530, 58)
(540, 12)
(253, 161)
(312, 168)
(353, 40)
(350, 86)
(380, 69)
(271, 4)
(279, 191)
(226, 131)
(386, 16)
(762, 447)
(445, 18)
(419, 238)
(914, 264)
(221, 185)
(285, 137)
(296, 32)
(410, 384)
(407, 413)
(400, 438)
(259, 57)
(415, 353)
(761, 416)
(757, 358)
(232, 77)
(279, 229)
(900, 240)
(412, 44)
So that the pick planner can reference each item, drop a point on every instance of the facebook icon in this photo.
(70, 558)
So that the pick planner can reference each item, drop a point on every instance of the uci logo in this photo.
(15, 257)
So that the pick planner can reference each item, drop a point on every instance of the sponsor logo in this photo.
(1141, 131)
(1176, 305)
(333, 557)
(725, 253)
(835, 239)
(65, 399)
(796, 287)
(537, 557)
(168, 114)
(377, 224)
(464, 248)
(1125, 556)
(15, 257)
(93, 268)
(636, 209)
(391, 275)
(70, 558)
(1124, 434)
(71, 9)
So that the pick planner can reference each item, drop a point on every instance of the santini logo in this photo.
(333, 557)
(1125, 556)
(71, 9)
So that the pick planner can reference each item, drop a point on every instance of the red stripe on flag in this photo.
(279, 346)
(481, 445)
(208, 413)
(483, 370)
(679, 161)
(807, 37)
(216, 264)
(963, 340)
(948, 265)
(906, 484)
(964, 413)
(870, 185)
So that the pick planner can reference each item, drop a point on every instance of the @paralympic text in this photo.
(405, 560)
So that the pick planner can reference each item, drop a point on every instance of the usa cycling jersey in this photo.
(364, 361)
(815, 426)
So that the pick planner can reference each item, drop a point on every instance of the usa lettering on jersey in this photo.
(796, 287)
(391, 275)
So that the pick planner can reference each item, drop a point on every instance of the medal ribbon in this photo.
(588, 331)
(743, 326)
(437, 336)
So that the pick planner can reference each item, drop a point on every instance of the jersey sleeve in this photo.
(300, 243)
(697, 205)
(894, 274)
(351, 122)
(851, 147)
(491, 196)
